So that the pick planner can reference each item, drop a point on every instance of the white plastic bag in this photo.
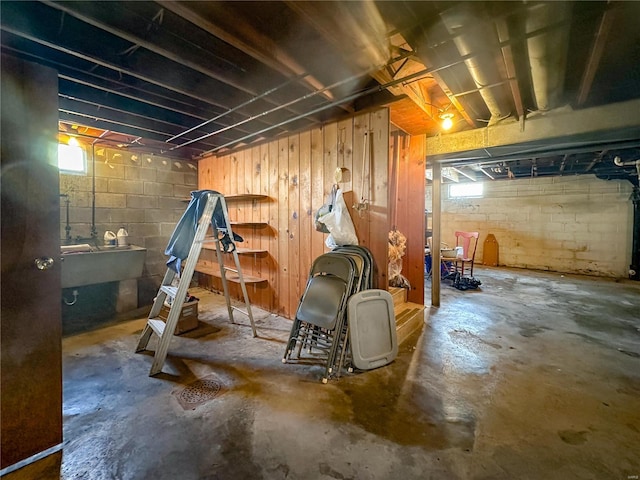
(339, 224)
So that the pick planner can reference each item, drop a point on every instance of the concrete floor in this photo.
(533, 376)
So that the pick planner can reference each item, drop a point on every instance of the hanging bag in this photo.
(338, 222)
(325, 209)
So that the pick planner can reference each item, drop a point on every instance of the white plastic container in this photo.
(122, 237)
(109, 238)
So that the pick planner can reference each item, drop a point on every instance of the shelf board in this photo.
(249, 224)
(245, 196)
(214, 271)
(241, 251)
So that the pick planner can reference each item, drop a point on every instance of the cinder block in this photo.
(158, 189)
(111, 200)
(142, 201)
(144, 229)
(109, 170)
(173, 178)
(168, 203)
(125, 186)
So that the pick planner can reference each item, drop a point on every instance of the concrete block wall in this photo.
(576, 224)
(143, 192)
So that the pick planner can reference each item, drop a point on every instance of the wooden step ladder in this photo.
(165, 330)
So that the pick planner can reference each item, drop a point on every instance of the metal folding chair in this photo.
(320, 320)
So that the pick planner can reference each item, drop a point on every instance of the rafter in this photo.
(595, 54)
(507, 57)
(255, 44)
(170, 51)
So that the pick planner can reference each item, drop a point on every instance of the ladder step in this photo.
(244, 312)
(165, 329)
(157, 325)
(169, 290)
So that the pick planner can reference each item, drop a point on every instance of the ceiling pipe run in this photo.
(472, 36)
(284, 105)
(547, 53)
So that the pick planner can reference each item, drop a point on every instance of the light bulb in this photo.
(447, 123)
(73, 142)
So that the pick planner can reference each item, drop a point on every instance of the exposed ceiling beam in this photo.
(181, 57)
(254, 44)
(330, 29)
(114, 86)
(121, 101)
(170, 52)
(510, 68)
(595, 54)
(145, 75)
(96, 110)
(594, 122)
(453, 99)
(87, 56)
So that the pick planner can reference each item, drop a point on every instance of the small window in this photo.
(71, 158)
(473, 189)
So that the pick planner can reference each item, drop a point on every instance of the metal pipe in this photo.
(486, 173)
(299, 99)
(94, 232)
(237, 107)
(619, 163)
(116, 68)
(348, 98)
(69, 78)
(118, 110)
(152, 47)
(463, 173)
(67, 227)
(115, 122)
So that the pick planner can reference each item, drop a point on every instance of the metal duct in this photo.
(472, 36)
(547, 52)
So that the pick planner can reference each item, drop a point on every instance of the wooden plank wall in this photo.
(297, 172)
(407, 195)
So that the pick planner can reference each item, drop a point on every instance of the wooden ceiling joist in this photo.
(256, 45)
(595, 54)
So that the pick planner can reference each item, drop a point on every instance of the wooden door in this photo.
(31, 358)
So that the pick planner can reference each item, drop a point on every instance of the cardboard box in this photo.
(188, 319)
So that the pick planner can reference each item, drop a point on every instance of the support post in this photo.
(435, 239)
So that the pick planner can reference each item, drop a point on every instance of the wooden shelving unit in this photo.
(249, 224)
(212, 268)
(245, 196)
(241, 251)
(231, 275)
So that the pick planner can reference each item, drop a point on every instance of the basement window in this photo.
(71, 158)
(465, 190)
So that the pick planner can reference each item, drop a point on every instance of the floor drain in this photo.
(199, 392)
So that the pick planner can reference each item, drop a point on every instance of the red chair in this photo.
(468, 241)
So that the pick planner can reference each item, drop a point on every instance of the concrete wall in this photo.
(145, 193)
(577, 224)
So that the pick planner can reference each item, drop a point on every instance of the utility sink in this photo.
(87, 265)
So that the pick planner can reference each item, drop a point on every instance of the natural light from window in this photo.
(471, 189)
(71, 158)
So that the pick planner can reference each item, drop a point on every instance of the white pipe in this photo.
(618, 161)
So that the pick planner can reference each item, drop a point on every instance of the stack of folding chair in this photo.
(320, 328)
